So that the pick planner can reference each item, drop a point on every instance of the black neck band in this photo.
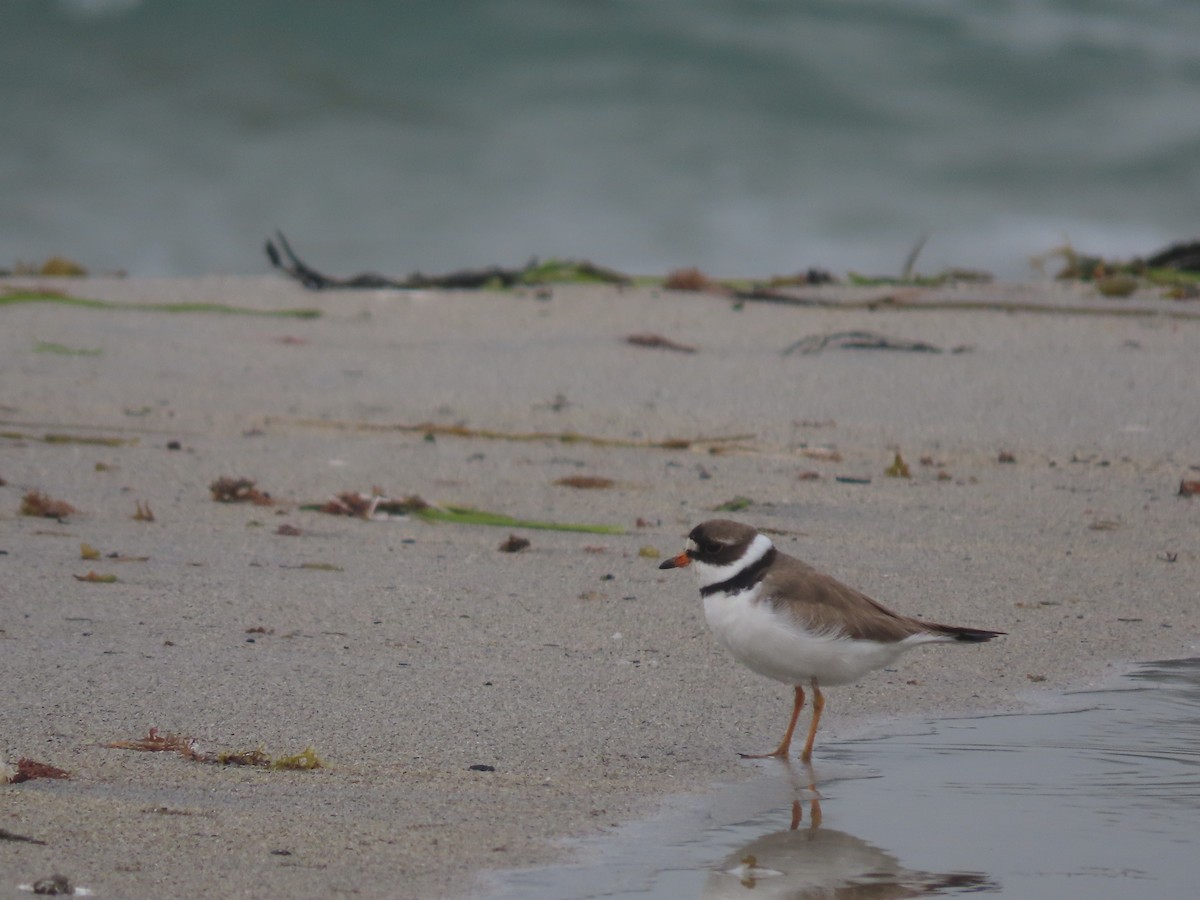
(743, 580)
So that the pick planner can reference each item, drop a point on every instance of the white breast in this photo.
(778, 648)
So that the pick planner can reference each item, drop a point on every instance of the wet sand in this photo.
(1095, 799)
(579, 675)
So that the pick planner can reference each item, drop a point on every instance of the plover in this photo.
(783, 619)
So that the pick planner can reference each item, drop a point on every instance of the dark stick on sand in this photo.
(468, 279)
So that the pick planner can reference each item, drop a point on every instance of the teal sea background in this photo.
(746, 137)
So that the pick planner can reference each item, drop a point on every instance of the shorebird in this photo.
(783, 619)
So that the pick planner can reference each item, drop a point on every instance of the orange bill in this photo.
(676, 562)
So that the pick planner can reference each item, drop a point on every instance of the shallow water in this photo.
(1097, 799)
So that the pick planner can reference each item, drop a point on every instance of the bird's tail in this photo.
(966, 635)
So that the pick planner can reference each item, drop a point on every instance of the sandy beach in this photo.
(470, 705)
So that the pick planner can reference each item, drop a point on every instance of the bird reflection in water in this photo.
(810, 862)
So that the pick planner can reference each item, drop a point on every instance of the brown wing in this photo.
(825, 604)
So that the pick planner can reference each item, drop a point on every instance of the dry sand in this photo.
(579, 671)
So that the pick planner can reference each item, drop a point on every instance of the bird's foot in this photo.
(774, 754)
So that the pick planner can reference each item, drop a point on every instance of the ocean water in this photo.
(747, 137)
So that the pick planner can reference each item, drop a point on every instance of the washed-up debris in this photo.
(737, 504)
(88, 440)
(1185, 286)
(143, 512)
(910, 264)
(1183, 257)
(851, 479)
(55, 885)
(376, 507)
(302, 761)
(649, 552)
(28, 770)
(657, 341)
(898, 468)
(1189, 488)
(1119, 285)
(189, 748)
(239, 490)
(861, 340)
(54, 267)
(1175, 268)
(553, 271)
(808, 277)
(1006, 456)
(466, 516)
(154, 742)
(289, 530)
(564, 437)
(514, 544)
(87, 551)
(370, 506)
(64, 350)
(6, 835)
(692, 279)
(722, 449)
(19, 297)
(826, 454)
(952, 275)
(95, 577)
(1085, 267)
(35, 503)
(585, 482)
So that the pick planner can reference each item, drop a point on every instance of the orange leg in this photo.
(781, 751)
(814, 800)
(814, 813)
(818, 705)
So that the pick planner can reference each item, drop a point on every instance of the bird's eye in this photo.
(711, 548)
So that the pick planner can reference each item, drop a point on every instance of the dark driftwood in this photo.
(282, 257)
(1184, 257)
(859, 340)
